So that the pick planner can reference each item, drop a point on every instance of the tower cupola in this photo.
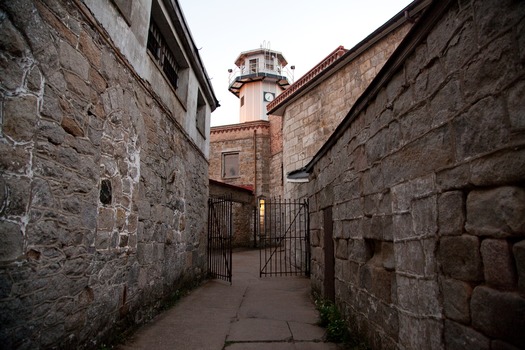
(260, 76)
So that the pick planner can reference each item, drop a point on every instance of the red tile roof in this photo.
(311, 74)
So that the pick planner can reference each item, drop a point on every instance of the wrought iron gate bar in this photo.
(284, 238)
(220, 238)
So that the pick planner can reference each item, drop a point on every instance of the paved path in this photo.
(253, 313)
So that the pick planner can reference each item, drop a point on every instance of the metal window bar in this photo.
(158, 47)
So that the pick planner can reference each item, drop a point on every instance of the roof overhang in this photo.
(242, 57)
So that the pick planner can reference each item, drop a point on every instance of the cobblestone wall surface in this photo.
(101, 193)
(427, 193)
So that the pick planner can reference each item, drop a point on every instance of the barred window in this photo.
(162, 54)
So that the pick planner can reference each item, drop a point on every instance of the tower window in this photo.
(230, 165)
(268, 61)
(253, 65)
(242, 101)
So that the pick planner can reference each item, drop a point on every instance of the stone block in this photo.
(451, 213)
(424, 216)
(359, 251)
(445, 103)
(456, 300)
(404, 193)
(20, 117)
(453, 178)
(17, 191)
(377, 281)
(352, 209)
(418, 296)
(416, 257)
(519, 257)
(388, 256)
(378, 227)
(459, 257)
(420, 333)
(498, 212)
(72, 60)
(352, 228)
(493, 20)
(341, 251)
(76, 85)
(499, 314)
(480, 129)
(103, 240)
(402, 227)
(460, 337)
(378, 204)
(504, 167)
(12, 241)
(516, 106)
(89, 49)
(498, 265)
(491, 69)
(15, 159)
(106, 219)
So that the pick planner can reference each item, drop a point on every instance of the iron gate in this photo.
(220, 238)
(283, 230)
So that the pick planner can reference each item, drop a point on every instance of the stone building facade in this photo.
(249, 144)
(312, 107)
(103, 170)
(417, 200)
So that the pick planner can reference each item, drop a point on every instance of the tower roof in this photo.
(242, 57)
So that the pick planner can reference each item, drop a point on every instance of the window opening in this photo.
(162, 53)
(268, 61)
(105, 192)
(230, 165)
(201, 115)
(253, 65)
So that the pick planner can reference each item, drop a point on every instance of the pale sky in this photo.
(305, 31)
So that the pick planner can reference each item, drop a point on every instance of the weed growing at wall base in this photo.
(336, 327)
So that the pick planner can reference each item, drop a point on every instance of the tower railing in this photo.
(258, 70)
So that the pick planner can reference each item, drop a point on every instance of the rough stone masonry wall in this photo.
(309, 121)
(101, 194)
(276, 154)
(428, 195)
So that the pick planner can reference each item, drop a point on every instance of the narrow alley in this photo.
(249, 314)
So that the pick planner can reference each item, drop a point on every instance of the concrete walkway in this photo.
(253, 313)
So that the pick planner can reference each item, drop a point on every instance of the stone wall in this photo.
(101, 190)
(311, 119)
(276, 153)
(426, 190)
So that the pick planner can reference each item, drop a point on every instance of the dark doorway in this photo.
(329, 258)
